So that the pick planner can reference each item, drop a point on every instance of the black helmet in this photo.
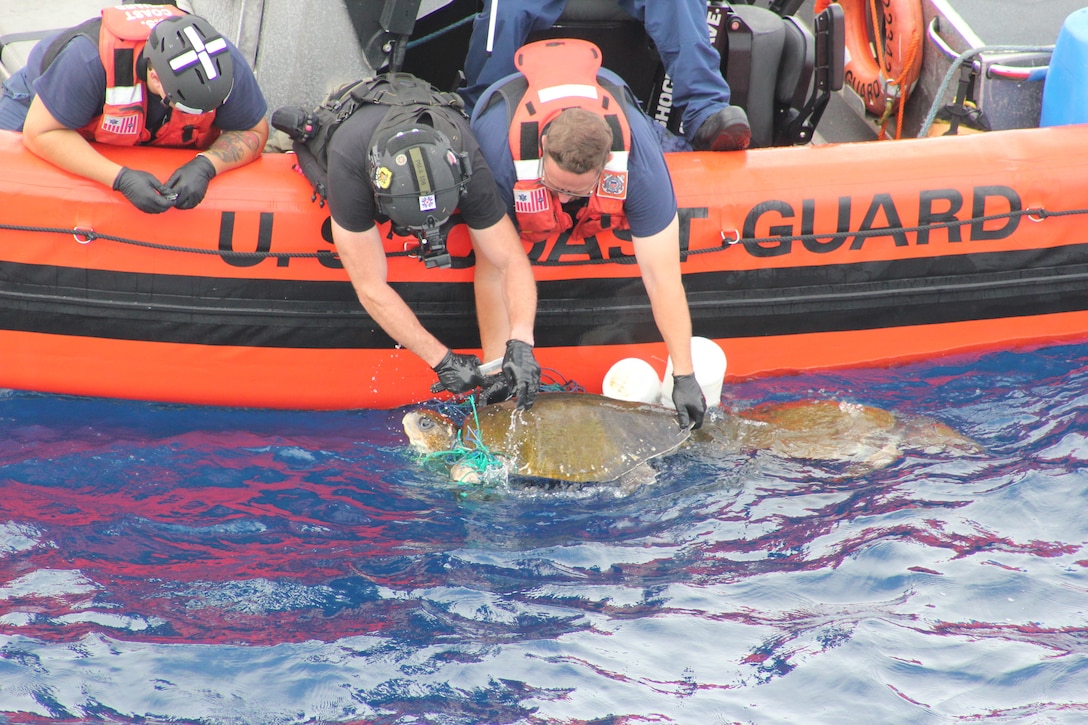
(418, 178)
(193, 63)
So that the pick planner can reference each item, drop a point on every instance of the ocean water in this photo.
(170, 564)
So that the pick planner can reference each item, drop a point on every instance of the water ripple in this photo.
(194, 565)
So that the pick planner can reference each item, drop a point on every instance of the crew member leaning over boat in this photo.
(571, 150)
(148, 75)
(393, 147)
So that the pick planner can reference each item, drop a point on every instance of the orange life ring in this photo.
(883, 76)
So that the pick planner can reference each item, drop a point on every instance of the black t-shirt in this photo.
(351, 196)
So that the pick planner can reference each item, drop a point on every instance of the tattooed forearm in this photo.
(236, 147)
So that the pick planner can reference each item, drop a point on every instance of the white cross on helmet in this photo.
(193, 62)
(200, 53)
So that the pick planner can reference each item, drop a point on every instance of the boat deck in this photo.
(964, 25)
(1014, 22)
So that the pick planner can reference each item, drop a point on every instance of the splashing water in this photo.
(195, 565)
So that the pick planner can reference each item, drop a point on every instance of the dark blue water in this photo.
(164, 564)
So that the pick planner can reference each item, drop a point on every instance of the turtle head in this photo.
(429, 432)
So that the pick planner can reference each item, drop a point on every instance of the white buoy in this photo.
(709, 362)
(632, 379)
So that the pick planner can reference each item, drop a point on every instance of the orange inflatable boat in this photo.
(794, 259)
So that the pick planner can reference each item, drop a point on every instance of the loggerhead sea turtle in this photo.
(828, 430)
(583, 438)
(571, 437)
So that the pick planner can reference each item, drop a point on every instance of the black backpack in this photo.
(409, 99)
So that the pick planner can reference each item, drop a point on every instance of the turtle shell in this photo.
(576, 437)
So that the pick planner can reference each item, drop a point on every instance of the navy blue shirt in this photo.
(651, 201)
(73, 88)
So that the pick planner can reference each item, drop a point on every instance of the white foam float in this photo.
(632, 379)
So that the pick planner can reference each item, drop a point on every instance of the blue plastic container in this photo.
(1065, 91)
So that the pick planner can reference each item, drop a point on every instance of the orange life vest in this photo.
(562, 74)
(123, 122)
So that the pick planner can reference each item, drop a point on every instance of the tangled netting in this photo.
(473, 454)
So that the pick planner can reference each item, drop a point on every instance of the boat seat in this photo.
(751, 65)
(811, 69)
(796, 65)
(625, 47)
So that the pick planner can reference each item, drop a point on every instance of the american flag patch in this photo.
(529, 201)
(120, 125)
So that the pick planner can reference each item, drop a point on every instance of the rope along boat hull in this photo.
(848, 254)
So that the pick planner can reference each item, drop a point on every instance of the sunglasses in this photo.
(585, 193)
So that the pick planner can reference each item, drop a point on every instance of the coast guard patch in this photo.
(613, 185)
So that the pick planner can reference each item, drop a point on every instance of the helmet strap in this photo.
(432, 246)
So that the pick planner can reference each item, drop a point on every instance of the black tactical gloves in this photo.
(457, 373)
(190, 182)
(522, 371)
(520, 375)
(688, 398)
(144, 191)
